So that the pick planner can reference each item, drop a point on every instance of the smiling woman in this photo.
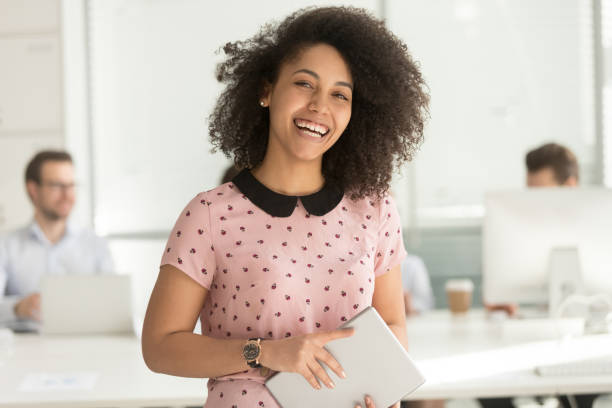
(315, 113)
(383, 89)
(309, 107)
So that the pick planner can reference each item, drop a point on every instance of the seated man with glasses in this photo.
(50, 244)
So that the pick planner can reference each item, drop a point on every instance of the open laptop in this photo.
(86, 304)
(374, 361)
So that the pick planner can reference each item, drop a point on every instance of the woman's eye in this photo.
(341, 96)
(304, 84)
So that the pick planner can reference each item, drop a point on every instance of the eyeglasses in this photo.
(58, 187)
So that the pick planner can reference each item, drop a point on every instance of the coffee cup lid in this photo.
(459, 284)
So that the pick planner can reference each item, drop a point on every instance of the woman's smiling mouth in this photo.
(311, 128)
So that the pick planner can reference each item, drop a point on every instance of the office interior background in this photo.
(126, 86)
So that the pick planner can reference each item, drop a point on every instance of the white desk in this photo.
(122, 378)
(461, 358)
(470, 356)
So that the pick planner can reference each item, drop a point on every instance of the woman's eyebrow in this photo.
(314, 74)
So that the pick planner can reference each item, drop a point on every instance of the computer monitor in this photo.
(521, 228)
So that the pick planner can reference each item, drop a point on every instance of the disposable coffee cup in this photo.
(459, 295)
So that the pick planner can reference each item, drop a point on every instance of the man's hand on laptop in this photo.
(29, 307)
(303, 354)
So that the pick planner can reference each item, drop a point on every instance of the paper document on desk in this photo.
(41, 382)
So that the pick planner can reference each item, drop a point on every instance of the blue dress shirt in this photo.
(415, 280)
(26, 254)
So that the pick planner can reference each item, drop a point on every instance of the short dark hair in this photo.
(389, 106)
(559, 158)
(32, 172)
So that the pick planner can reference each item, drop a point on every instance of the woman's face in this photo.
(310, 103)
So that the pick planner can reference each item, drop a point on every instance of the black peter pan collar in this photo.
(279, 205)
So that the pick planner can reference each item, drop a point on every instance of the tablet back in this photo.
(374, 361)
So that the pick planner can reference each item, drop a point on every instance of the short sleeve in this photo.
(390, 249)
(189, 247)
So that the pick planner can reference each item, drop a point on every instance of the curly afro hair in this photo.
(389, 107)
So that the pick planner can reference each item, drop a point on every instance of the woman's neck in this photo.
(290, 177)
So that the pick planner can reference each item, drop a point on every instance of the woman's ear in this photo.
(264, 99)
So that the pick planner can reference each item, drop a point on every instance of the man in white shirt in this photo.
(50, 244)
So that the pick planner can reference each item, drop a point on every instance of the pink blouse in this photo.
(276, 277)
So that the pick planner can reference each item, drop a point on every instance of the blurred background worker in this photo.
(50, 244)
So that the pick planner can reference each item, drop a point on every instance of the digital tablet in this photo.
(374, 361)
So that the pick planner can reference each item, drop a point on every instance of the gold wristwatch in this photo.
(252, 351)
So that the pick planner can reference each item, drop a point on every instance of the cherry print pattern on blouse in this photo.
(278, 277)
(240, 394)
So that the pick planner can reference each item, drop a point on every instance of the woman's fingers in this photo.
(321, 374)
(324, 356)
(369, 403)
(326, 337)
(310, 377)
(315, 355)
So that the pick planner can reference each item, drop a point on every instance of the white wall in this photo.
(153, 88)
(606, 12)
(505, 76)
(31, 97)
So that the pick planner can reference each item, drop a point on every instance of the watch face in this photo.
(251, 351)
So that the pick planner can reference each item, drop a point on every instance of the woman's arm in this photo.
(168, 343)
(388, 300)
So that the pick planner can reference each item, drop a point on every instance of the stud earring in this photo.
(262, 103)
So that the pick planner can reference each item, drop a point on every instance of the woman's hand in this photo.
(304, 355)
(370, 404)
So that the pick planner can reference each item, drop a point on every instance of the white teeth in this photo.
(313, 134)
(321, 130)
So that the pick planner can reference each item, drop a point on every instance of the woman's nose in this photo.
(317, 103)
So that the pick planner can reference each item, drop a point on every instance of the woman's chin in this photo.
(304, 156)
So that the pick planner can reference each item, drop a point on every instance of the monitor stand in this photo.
(564, 277)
